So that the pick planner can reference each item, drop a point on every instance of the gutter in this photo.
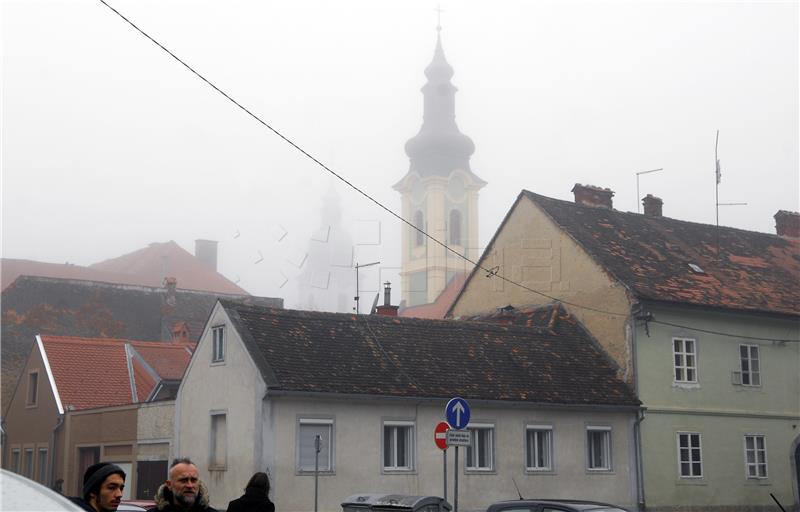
(53, 451)
(637, 440)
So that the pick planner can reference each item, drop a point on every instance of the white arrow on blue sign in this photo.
(457, 413)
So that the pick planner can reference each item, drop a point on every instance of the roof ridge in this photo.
(92, 340)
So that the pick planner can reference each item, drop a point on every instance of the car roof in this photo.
(20, 493)
(577, 504)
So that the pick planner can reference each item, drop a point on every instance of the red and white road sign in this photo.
(440, 435)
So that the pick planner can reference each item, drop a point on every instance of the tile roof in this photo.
(651, 256)
(301, 351)
(438, 308)
(159, 260)
(94, 372)
(11, 269)
(41, 305)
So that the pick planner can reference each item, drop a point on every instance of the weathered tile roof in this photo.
(651, 256)
(301, 351)
(94, 372)
(40, 305)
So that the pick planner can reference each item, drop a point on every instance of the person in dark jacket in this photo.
(255, 497)
(103, 484)
(183, 491)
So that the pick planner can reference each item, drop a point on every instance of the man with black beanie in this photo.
(102, 488)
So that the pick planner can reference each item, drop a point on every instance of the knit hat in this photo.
(96, 474)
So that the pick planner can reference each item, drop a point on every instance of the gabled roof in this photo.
(312, 352)
(11, 269)
(651, 256)
(40, 305)
(101, 372)
(159, 260)
(438, 308)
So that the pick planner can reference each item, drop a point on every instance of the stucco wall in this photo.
(358, 465)
(155, 420)
(531, 250)
(231, 387)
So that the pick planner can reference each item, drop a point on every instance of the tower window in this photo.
(419, 238)
(455, 227)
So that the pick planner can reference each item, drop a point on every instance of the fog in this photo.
(109, 144)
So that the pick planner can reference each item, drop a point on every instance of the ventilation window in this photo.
(696, 268)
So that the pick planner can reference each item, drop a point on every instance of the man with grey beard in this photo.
(183, 491)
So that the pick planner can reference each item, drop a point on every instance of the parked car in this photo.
(18, 493)
(136, 506)
(377, 502)
(559, 505)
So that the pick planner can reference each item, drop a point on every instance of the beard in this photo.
(186, 500)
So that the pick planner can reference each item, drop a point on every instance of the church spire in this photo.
(439, 148)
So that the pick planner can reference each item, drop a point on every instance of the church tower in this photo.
(439, 192)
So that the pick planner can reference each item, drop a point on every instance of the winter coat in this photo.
(165, 500)
(79, 501)
(251, 501)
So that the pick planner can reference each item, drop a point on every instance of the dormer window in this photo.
(696, 268)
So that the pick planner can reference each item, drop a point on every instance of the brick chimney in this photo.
(387, 309)
(170, 283)
(206, 251)
(652, 205)
(787, 224)
(589, 195)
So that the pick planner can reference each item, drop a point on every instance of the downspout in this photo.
(636, 309)
(53, 452)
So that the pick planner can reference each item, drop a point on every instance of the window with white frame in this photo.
(539, 448)
(684, 353)
(750, 365)
(315, 436)
(29, 463)
(15, 460)
(219, 441)
(398, 445)
(219, 344)
(480, 453)
(33, 389)
(690, 455)
(42, 467)
(755, 456)
(598, 447)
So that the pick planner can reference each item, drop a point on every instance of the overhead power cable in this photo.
(707, 331)
(490, 272)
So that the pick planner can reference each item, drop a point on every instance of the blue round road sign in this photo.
(457, 413)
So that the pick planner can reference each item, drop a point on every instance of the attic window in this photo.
(696, 268)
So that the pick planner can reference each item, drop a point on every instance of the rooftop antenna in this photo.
(356, 298)
(718, 174)
(638, 197)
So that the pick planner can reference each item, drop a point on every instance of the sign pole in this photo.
(444, 466)
(455, 486)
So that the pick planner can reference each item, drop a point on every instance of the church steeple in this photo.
(439, 148)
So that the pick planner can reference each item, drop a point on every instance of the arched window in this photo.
(455, 227)
(419, 238)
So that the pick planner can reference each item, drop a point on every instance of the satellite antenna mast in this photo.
(356, 298)
(638, 197)
(718, 174)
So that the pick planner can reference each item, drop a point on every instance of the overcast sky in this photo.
(109, 144)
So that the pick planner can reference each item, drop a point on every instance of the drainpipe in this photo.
(53, 451)
(636, 311)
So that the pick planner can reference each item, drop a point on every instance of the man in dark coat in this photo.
(103, 484)
(183, 491)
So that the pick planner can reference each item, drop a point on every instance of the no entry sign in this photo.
(440, 435)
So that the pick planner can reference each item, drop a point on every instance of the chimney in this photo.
(787, 224)
(206, 252)
(180, 333)
(652, 205)
(170, 283)
(387, 309)
(589, 195)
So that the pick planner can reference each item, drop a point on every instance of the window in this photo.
(538, 448)
(749, 364)
(15, 460)
(310, 430)
(455, 227)
(29, 463)
(398, 445)
(33, 389)
(685, 359)
(755, 456)
(480, 453)
(690, 458)
(598, 443)
(219, 344)
(419, 238)
(86, 457)
(219, 441)
(42, 474)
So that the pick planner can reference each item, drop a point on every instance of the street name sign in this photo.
(440, 435)
(457, 413)
(458, 438)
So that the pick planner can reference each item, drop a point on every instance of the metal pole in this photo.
(444, 465)
(317, 445)
(455, 486)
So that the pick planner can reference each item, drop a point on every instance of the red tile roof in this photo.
(93, 372)
(159, 260)
(437, 309)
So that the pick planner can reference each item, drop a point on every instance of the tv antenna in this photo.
(718, 176)
(638, 197)
(356, 298)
